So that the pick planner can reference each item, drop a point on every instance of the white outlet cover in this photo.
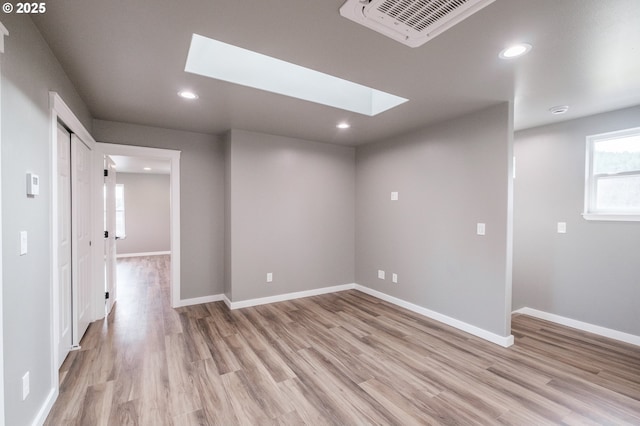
(394, 196)
(269, 277)
(481, 229)
(562, 227)
(394, 278)
(381, 274)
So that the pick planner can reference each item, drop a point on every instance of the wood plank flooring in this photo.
(343, 358)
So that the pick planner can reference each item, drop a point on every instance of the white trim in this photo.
(200, 300)
(64, 113)
(174, 157)
(3, 33)
(580, 325)
(149, 253)
(460, 325)
(97, 203)
(287, 296)
(46, 407)
(612, 217)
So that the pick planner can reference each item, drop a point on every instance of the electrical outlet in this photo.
(481, 229)
(394, 196)
(25, 386)
(394, 278)
(381, 274)
(562, 227)
(269, 277)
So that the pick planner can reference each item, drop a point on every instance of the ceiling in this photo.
(126, 164)
(127, 58)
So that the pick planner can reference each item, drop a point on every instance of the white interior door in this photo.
(81, 236)
(110, 228)
(64, 243)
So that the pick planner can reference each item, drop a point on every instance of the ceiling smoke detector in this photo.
(560, 109)
(411, 22)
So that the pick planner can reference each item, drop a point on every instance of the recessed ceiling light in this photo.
(187, 94)
(222, 61)
(515, 51)
(343, 125)
(147, 169)
(560, 109)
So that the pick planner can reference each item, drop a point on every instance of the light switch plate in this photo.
(25, 386)
(481, 229)
(562, 227)
(381, 274)
(394, 196)
(394, 278)
(269, 277)
(23, 243)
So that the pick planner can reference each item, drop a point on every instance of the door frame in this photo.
(3, 33)
(174, 181)
(60, 112)
(110, 227)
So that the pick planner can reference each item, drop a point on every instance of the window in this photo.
(612, 190)
(120, 229)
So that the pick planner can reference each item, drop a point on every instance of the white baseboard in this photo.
(149, 253)
(584, 326)
(468, 328)
(200, 300)
(287, 296)
(46, 407)
(460, 325)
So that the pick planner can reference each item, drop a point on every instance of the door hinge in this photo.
(106, 234)
(106, 172)
(106, 294)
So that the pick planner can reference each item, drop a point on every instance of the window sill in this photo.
(612, 217)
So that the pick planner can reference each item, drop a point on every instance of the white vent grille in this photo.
(420, 14)
(412, 22)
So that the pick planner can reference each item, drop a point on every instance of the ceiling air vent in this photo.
(411, 22)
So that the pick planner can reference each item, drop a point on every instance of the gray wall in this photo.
(146, 202)
(29, 71)
(292, 214)
(201, 202)
(449, 177)
(591, 273)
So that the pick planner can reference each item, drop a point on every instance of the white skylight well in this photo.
(222, 61)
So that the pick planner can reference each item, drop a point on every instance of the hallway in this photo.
(121, 358)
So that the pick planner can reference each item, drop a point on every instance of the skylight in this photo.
(222, 61)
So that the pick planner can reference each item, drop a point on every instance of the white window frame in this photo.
(590, 184)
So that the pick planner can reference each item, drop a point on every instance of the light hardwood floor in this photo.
(343, 358)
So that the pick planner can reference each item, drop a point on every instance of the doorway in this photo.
(156, 156)
(137, 215)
